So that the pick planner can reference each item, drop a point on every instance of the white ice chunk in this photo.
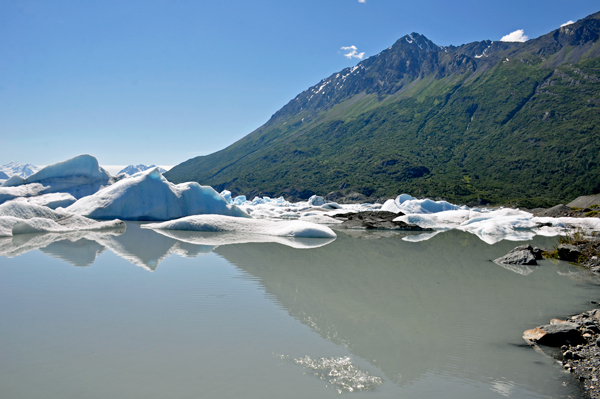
(52, 201)
(11, 192)
(149, 196)
(420, 220)
(316, 200)
(42, 225)
(239, 200)
(79, 176)
(219, 223)
(227, 195)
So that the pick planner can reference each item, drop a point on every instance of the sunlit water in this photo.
(145, 315)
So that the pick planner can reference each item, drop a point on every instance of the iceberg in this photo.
(52, 201)
(408, 205)
(149, 196)
(8, 193)
(220, 223)
(21, 217)
(79, 176)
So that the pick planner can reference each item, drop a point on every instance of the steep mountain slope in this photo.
(482, 122)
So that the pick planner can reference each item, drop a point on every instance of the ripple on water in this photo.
(341, 373)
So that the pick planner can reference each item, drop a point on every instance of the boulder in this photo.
(570, 253)
(555, 335)
(521, 255)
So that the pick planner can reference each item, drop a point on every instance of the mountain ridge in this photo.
(416, 84)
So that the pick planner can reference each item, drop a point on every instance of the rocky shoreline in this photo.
(575, 341)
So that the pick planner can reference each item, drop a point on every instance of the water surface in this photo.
(432, 318)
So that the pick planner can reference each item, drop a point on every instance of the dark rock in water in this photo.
(375, 220)
(555, 211)
(521, 255)
(555, 335)
(568, 252)
(537, 253)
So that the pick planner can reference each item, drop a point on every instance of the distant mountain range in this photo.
(15, 168)
(483, 122)
(133, 169)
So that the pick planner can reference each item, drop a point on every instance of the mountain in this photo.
(133, 169)
(485, 122)
(3, 176)
(15, 168)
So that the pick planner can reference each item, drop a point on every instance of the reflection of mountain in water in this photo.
(390, 300)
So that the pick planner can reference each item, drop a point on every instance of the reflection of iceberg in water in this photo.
(390, 300)
(227, 238)
(80, 248)
(142, 247)
(146, 248)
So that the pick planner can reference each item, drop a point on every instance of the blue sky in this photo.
(159, 82)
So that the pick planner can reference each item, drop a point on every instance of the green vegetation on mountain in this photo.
(484, 122)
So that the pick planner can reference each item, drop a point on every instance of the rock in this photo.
(555, 335)
(375, 220)
(568, 252)
(521, 255)
(585, 201)
(555, 211)
(537, 253)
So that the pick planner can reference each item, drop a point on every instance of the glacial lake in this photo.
(145, 315)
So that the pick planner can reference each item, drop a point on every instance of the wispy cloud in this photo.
(362, 1)
(353, 52)
(567, 23)
(516, 36)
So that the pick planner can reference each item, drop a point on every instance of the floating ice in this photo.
(315, 200)
(149, 196)
(79, 176)
(220, 223)
(52, 201)
(8, 193)
(227, 195)
(406, 204)
(21, 217)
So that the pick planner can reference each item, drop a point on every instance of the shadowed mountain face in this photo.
(482, 122)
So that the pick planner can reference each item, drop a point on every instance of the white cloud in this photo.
(362, 1)
(516, 36)
(567, 23)
(353, 52)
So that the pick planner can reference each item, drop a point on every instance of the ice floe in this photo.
(149, 196)
(79, 176)
(220, 223)
(21, 217)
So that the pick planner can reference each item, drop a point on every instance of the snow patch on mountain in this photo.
(133, 169)
(15, 168)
